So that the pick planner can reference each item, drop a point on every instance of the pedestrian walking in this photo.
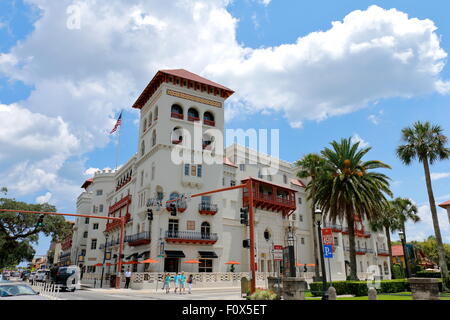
(182, 282)
(189, 283)
(127, 278)
(167, 282)
(176, 279)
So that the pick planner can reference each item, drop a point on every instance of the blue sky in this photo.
(64, 87)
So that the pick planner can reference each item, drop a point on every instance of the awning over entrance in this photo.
(174, 254)
(208, 254)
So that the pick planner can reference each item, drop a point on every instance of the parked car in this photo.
(16, 291)
(42, 275)
(68, 278)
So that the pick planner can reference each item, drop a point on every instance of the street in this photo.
(130, 294)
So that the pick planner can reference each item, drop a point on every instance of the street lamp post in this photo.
(104, 257)
(401, 235)
(318, 218)
(291, 244)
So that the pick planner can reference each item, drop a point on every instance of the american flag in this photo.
(118, 123)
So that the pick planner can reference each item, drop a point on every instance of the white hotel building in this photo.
(207, 228)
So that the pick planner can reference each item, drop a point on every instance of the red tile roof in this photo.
(298, 182)
(397, 250)
(87, 183)
(161, 76)
(194, 77)
(228, 162)
(445, 204)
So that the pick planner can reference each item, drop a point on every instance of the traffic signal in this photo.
(173, 209)
(149, 214)
(244, 216)
(40, 222)
(246, 243)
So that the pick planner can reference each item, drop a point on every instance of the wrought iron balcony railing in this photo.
(191, 235)
(138, 237)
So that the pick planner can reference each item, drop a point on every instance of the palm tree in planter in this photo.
(310, 165)
(393, 218)
(347, 187)
(426, 142)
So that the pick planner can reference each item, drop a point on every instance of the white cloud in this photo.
(424, 228)
(44, 198)
(376, 118)
(439, 175)
(370, 55)
(82, 78)
(362, 143)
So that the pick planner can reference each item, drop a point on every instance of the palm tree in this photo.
(310, 166)
(346, 187)
(394, 218)
(426, 143)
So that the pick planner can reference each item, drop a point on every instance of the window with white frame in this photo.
(99, 192)
(93, 244)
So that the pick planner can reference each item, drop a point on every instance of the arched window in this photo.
(208, 119)
(144, 127)
(205, 230)
(177, 135)
(150, 120)
(142, 148)
(176, 111)
(154, 138)
(267, 235)
(156, 113)
(193, 115)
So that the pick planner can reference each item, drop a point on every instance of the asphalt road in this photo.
(129, 294)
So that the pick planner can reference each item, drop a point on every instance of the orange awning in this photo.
(191, 261)
(299, 264)
(310, 265)
(149, 261)
(98, 265)
(232, 262)
(130, 262)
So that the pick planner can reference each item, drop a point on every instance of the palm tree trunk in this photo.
(315, 240)
(351, 238)
(437, 231)
(388, 237)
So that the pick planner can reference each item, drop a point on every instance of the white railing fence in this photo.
(47, 290)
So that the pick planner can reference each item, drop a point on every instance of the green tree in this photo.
(347, 187)
(310, 165)
(18, 231)
(430, 248)
(426, 143)
(393, 218)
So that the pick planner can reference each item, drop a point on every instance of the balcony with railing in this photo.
(334, 227)
(191, 237)
(111, 243)
(270, 197)
(210, 123)
(358, 250)
(181, 205)
(176, 115)
(207, 208)
(383, 252)
(116, 223)
(138, 239)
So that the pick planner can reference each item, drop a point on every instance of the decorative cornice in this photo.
(186, 96)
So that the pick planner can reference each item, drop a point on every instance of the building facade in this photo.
(180, 153)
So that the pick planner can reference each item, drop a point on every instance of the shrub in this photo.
(360, 288)
(263, 294)
(397, 271)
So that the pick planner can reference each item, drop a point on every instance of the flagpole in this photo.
(118, 147)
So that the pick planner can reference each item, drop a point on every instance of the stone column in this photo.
(424, 288)
(331, 293)
(294, 288)
(372, 293)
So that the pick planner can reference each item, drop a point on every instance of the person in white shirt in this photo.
(127, 278)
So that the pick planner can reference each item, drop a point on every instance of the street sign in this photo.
(328, 251)
(277, 253)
